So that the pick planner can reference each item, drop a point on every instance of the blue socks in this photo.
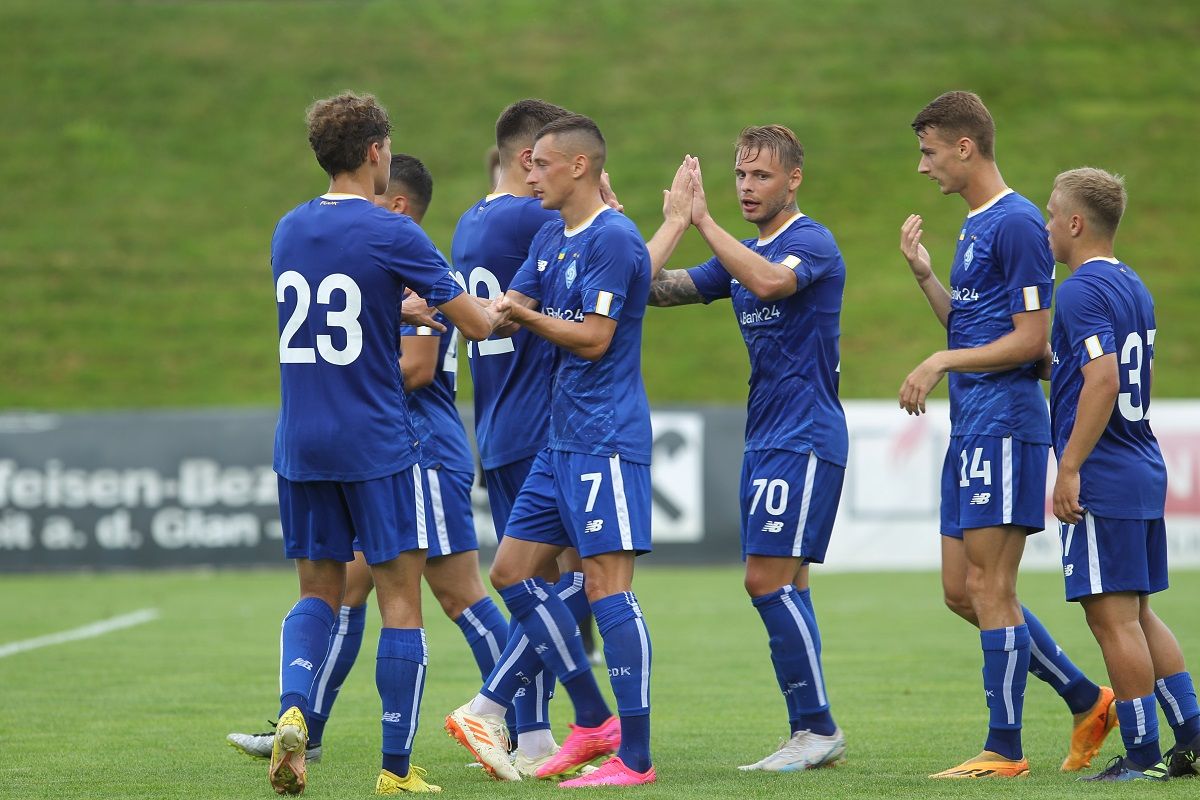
(400, 677)
(1138, 720)
(1177, 697)
(303, 644)
(796, 655)
(627, 652)
(1005, 671)
(486, 632)
(1049, 663)
(554, 636)
(344, 645)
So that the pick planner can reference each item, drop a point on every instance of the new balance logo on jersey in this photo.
(542, 265)
(300, 662)
(1068, 570)
(593, 526)
(772, 526)
(540, 648)
(981, 498)
(519, 692)
(392, 716)
(614, 672)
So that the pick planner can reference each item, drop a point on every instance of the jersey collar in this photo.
(342, 196)
(583, 226)
(989, 203)
(782, 228)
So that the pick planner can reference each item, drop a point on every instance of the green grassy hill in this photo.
(149, 148)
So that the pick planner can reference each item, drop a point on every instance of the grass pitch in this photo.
(143, 712)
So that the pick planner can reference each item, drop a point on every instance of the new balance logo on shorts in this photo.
(300, 662)
(392, 716)
(593, 526)
(772, 526)
(1067, 571)
(981, 498)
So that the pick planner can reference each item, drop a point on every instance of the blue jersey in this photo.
(601, 267)
(511, 373)
(1105, 308)
(1002, 266)
(792, 343)
(341, 265)
(434, 414)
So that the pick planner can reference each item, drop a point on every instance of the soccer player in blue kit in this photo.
(345, 449)
(511, 377)
(1111, 487)
(583, 288)
(997, 317)
(429, 369)
(786, 290)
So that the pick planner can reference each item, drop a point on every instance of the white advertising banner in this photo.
(888, 517)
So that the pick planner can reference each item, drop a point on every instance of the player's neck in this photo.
(581, 206)
(512, 181)
(1089, 251)
(361, 183)
(772, 226)
(983, 186)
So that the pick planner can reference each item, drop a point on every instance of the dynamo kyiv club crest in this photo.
(571, 273)
(969, 256)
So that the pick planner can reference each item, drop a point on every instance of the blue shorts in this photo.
(992, 480)
(597, 504)
(448, 516)
(789, 501)
(503, 485)
(321, 519)
(1102, 555)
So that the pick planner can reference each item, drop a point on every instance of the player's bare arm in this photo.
(1025, 344)
(677, 218)
(416, 312)
(1045, 364)
(673, 287)
(1096, 401)
(588, 339)
(766, 280)
(922, 268)
(418, 361)
(475, 322)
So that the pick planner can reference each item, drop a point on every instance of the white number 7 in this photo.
(596, 478)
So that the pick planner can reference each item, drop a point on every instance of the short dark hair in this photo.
(341, 128)
(777, 139)
(959, 114)
(411, 178)
(518, 124)
(1098, 194)
(585, 131)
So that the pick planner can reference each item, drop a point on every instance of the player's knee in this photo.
(454, 602)
(758, 585)
(503, 576)
(959, 603)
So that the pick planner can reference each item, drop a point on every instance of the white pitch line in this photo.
(86, 632)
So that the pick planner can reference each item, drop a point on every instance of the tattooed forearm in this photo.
(673, 287)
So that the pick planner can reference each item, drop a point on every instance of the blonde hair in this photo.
(1099, 195)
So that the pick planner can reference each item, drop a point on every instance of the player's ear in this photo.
(797, 177)
(527, 159)
(400, 204)
(965, 148)
(580, 166)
